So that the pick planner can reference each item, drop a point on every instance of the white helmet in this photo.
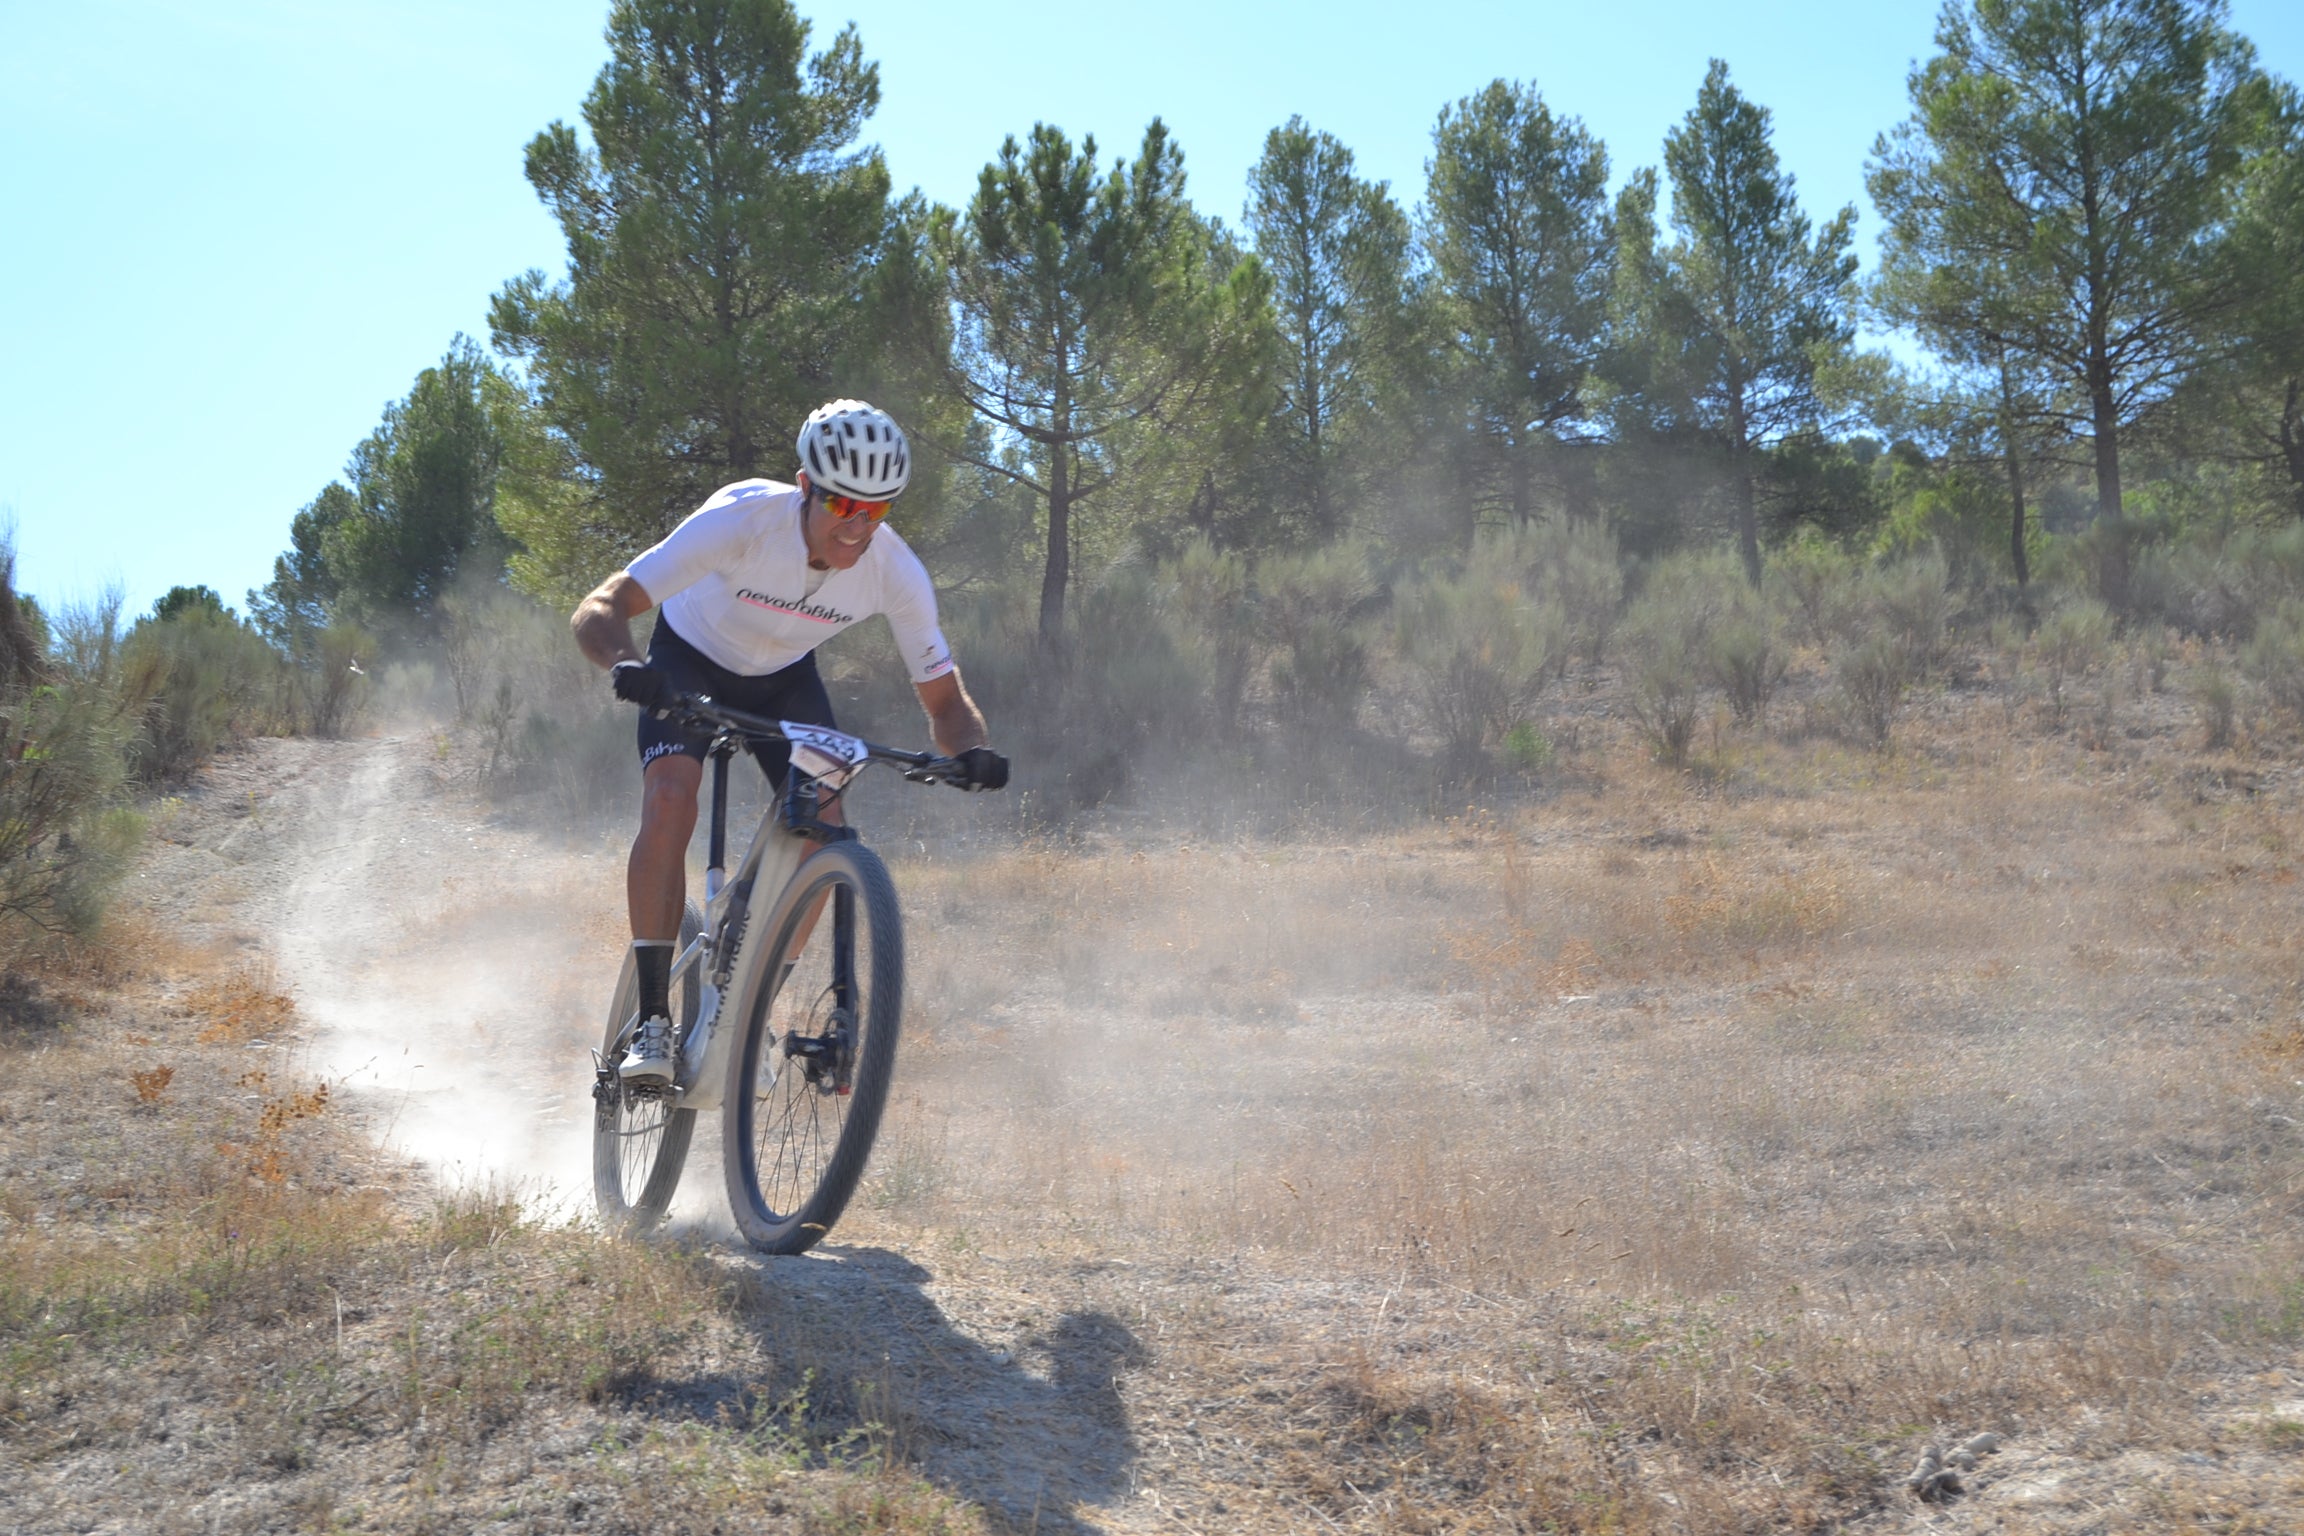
(854, 449)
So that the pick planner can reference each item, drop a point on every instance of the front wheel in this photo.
(809, 1078)
(640, 1139)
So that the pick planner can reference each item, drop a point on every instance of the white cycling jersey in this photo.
(734, 580)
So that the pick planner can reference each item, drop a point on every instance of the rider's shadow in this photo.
(853, 1342)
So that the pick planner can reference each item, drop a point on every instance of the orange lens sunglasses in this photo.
(845, 507)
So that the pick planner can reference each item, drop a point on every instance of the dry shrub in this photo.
(1719, 906)
(1910, 602)
(241, 1006)
(152, 1082)
(202, 678)
(1573, 567)
(265, 1155)
(1207, 588)
(2280, 1047)
(1746, 657)
(2217, 703)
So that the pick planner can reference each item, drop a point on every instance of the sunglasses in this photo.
(845, 507)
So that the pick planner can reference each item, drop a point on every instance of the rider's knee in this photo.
(667, 805)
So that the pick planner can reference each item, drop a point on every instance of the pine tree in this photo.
(1088, 303)
(1727, 325)
(1520, 238)
(1336, 249)
(720, 232)
(423, 488)
(2056, 195)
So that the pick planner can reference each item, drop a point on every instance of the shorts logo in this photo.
(657, 749)
(805, 610)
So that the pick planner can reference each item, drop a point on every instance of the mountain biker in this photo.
(751, 583)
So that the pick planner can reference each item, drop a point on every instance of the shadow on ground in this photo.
(861, 1359)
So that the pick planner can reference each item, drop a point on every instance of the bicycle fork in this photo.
(829, 1058)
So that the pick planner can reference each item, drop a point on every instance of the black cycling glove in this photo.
(636, 682)
(982, 768)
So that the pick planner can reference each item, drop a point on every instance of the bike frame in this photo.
(731, 985)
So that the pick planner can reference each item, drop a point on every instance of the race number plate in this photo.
(830, 757)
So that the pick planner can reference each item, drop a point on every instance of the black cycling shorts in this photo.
(793, 693)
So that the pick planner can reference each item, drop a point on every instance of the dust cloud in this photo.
(450, 971)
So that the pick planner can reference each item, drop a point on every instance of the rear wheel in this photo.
(809, 1079)
(640, 1139)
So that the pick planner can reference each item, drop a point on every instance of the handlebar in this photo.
(919, 767)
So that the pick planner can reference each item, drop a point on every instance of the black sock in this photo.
(652, 958)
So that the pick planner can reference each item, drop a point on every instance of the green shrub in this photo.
(2217, 702)
(1482, 651)
(1527, 749)
(2070, 643)
(202, 678)
(1910, 601)
(1314, 608)
(2274, 659)
(65, 835)
(1667, 633)
(1961, 515)
(1869, 682)
(1575, 568)
(1815, 582)
(1207, 593)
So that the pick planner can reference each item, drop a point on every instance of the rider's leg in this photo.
(656, 877)
(655, 883)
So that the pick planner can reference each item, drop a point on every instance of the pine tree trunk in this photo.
(2016, 525)
(2106, 423)
(2292, 443)
(1747, 517)
(1059, 571)
(2015, 462)
(1740, 481)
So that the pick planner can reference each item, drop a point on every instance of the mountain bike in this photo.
(787, 990)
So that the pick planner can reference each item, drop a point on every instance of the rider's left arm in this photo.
(954, 722)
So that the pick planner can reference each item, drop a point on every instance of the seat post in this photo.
(716, 865)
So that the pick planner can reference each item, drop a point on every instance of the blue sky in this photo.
(232, 230)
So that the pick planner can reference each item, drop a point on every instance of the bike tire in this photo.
(639, 1145)
(796, 1145)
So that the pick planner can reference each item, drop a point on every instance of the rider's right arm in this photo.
(603, 621)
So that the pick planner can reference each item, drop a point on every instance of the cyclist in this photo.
(751, 583)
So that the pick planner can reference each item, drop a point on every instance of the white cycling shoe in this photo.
(648, 1059)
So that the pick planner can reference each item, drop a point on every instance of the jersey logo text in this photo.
(804, 610)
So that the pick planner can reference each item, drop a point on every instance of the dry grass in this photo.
(223, 1311)
(1831, 1100)
(1665, 1151)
